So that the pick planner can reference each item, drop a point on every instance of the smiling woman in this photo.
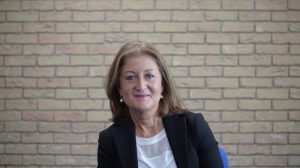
(151, 127)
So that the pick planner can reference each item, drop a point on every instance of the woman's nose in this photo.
(141, 85)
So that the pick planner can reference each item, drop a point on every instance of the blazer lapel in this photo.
(175, 127)
(126, 143)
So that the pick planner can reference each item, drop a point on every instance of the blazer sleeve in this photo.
(105, 154)
(207, 146)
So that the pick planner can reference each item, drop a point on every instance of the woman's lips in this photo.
(142, 96)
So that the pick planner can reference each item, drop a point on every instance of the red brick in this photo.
(97, 71)
(50, 104)
(53, 60)
(10, 49)
(256, 127)
(286, 16)
(238, 49)
(39, 160)
(10, 5)
(21, 127)
(222, 82)
(10, 71)
(88, 16)
(86, 104)
(20, 148)
(21, 104)
(37, 116)
(70, 5)
(20, 60)
(220, 105)
(239, 93)
(38, 27)
(270, 161)
(55, 16)
(224, 127)
(37, 138)
(205, 71)
(178, 4)
(255, 38)
(37, 5)
(204, 49)
(272, 71)
(205, 93)
(10, 160)
(21, 82)
(105, 27)
(10, 93)
(54, 149)
(71, 160)
(10, 27)
(188, 16)
(293, 4)
(53, 82)
(54, 38)
(271, 138)
(271, 49)
(189, 82)
(255, 16)
(255, 104)
(86, 82)
(194, 105)
(39, 93)
(98, 116)
(222, 60)
(71, 27)
(221, 16)
(39, 72)
(155, 38)
(122, 16)
(271, 5)
(254, 150)
(54, 127)
(71, 49)
(10, 137)
(103, 49)
(271, 27)
(155, 16)
(10, 116)
(286, 127)
(287, 82)
(204, 27)
(237, 116)
(69, 138)
(84, 149)
(172, 49)
(205, 4)
(70, 116)
(29, 16)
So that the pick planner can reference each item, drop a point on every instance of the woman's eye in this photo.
(149, 76)
(130, 78)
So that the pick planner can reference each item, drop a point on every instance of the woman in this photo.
(150, 126)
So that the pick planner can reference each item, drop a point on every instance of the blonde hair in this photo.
(171, 102)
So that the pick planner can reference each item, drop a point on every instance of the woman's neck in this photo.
(147, 125)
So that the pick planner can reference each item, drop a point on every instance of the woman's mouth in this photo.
(142, 96)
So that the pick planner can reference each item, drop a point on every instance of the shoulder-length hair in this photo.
(170, 104)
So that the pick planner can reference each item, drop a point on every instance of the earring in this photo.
(121, 100)
(161, 96)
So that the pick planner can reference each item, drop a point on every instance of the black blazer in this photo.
(191, 140)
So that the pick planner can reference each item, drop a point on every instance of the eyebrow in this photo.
(147, 70)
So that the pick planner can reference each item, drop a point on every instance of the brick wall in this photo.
(235, 61)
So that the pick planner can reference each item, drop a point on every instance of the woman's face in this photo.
(140, 83)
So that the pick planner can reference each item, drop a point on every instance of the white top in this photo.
(155, 152)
